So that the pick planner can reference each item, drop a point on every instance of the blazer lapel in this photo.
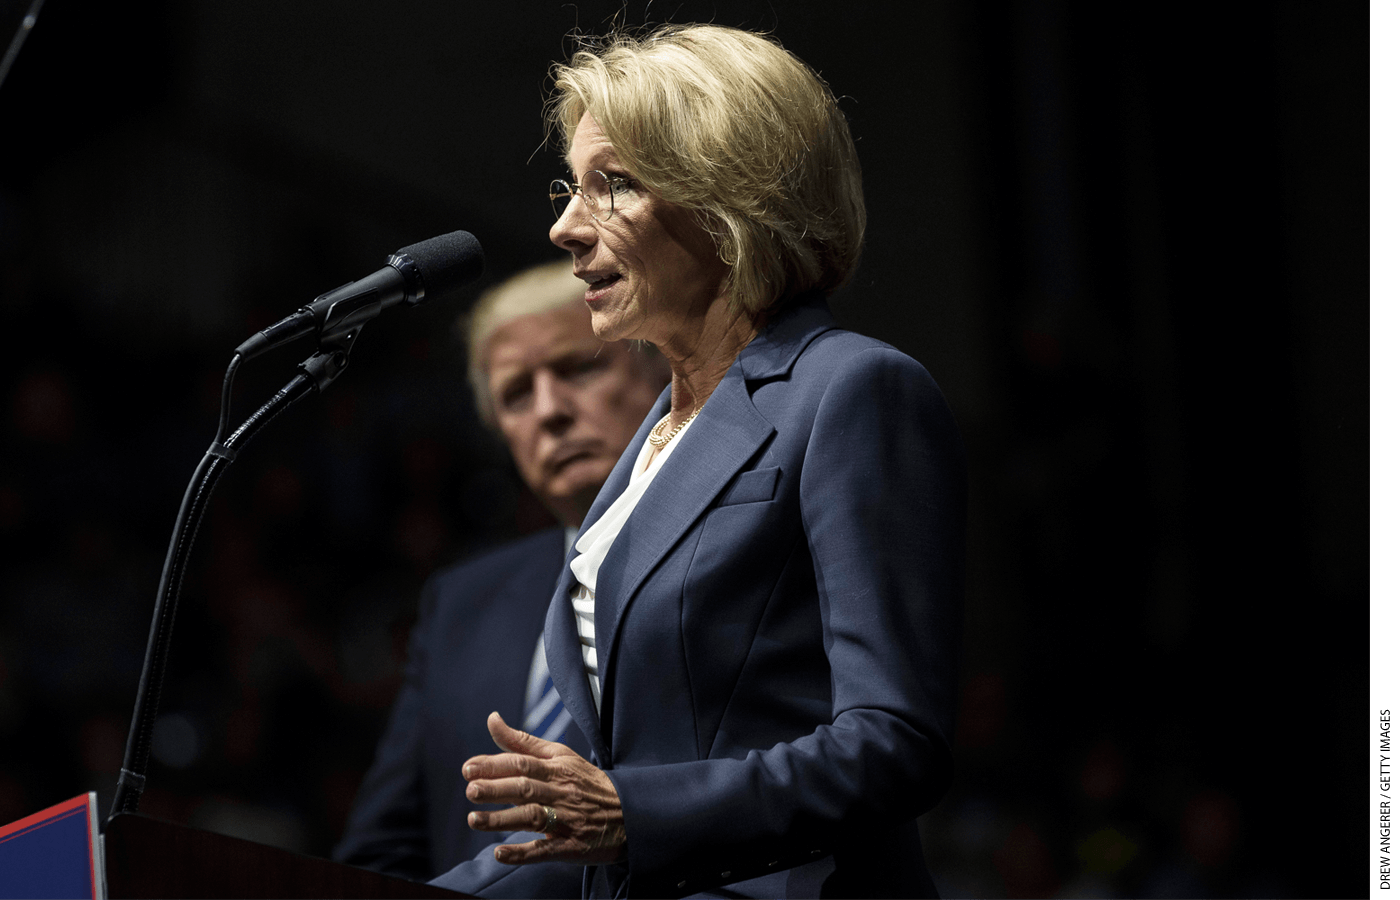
(561, 639)
(562, 651)
(722, 440)
(725, 436)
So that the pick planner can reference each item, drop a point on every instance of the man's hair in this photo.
(733, 126)
(536, 290)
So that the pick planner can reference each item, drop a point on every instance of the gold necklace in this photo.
(656, 437)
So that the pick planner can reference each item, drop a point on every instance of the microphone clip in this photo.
(326, 364)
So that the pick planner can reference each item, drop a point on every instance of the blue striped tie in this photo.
(545, 715)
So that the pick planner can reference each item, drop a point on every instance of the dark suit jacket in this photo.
(777, 628)
(469, 655)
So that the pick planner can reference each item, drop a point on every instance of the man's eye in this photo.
(513, 398)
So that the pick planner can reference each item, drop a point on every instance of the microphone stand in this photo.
(316, 373)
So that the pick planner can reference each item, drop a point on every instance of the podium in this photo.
(58, 853)
(150, 858)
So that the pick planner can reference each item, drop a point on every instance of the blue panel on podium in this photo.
(53, 853)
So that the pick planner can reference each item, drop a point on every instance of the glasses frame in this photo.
(561, 188)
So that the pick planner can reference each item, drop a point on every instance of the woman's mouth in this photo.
(598, 287)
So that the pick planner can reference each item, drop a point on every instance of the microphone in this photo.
(413, 274)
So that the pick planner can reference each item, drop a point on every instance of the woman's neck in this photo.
(700, 358)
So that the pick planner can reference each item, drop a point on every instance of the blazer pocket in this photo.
(751, 487)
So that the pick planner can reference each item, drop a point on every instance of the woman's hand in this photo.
(533, 774)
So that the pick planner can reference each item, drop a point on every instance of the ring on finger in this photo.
(549, 819)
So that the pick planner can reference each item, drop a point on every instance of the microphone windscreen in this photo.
(447, 261)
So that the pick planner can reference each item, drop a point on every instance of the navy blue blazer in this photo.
(469, 655)
(777, 628)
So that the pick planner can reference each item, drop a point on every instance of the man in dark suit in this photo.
(566, 405)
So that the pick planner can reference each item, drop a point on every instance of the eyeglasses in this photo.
(602, 194)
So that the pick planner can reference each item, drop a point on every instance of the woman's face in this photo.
(652, 271)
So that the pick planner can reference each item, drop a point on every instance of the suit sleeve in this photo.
(882, 495)
(388, 825)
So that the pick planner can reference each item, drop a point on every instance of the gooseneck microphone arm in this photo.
(336, 318)
(217, 458)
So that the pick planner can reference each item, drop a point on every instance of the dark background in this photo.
(1128, 240)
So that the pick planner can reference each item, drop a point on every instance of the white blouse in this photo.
(593, 546)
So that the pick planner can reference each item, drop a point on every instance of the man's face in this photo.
(567, 403)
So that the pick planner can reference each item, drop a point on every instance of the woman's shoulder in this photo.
(847, 378)
(840, 342)
(849, 354)
(806, 350)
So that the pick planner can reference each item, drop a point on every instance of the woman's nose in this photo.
(574, 229)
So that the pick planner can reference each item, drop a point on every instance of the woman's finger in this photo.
(534, 776)
(538, 850)
(513, 740)
(530, 817)
(552, 848)
(524, 753)
(505, 765)
(516, 791)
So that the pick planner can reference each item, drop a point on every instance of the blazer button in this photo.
(725, 874)
(680, 886)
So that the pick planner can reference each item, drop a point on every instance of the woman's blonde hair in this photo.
(733, 126)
